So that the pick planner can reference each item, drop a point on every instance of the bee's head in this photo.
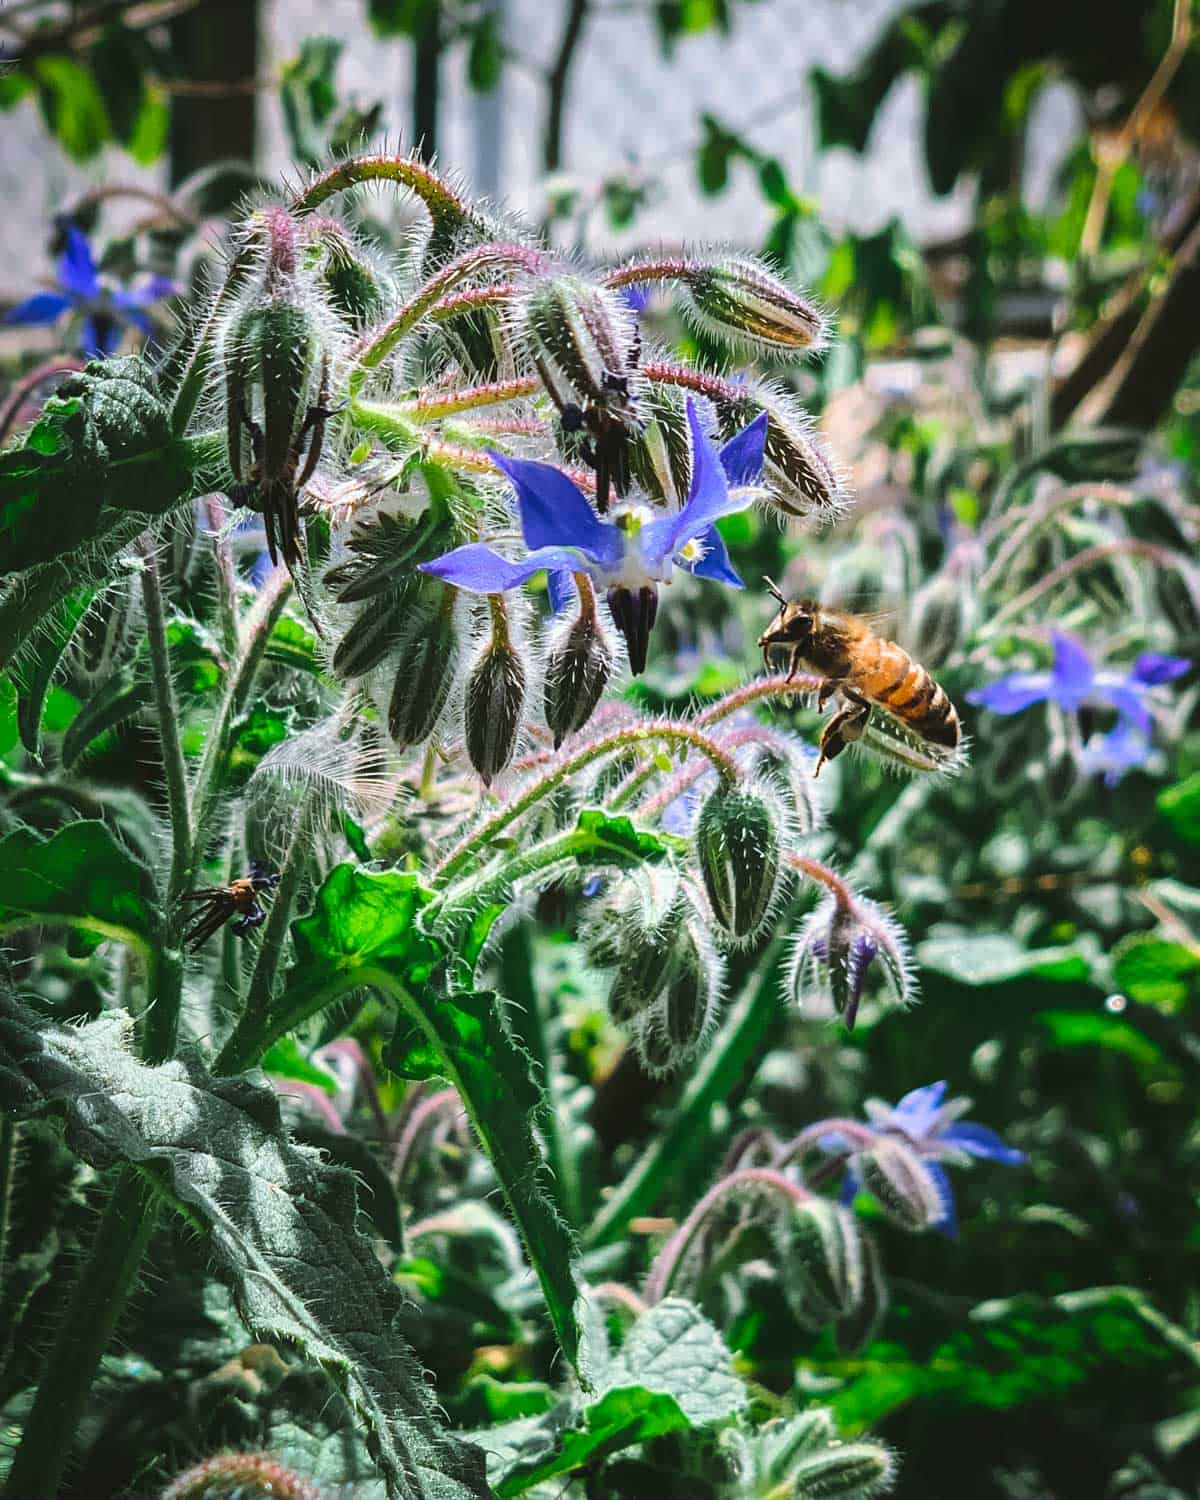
(792, 627)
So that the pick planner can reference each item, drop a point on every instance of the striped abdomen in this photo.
(888, 676)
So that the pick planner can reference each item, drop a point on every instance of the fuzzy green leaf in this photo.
(102, 445)
(281, 1223)
(82, 878)
(364, 932)
(673, 1373)
(1021, 1350)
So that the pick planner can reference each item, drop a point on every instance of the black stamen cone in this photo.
(634, 616)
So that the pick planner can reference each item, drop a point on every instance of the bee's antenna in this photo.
(774, 588)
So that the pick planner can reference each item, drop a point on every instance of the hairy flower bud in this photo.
(739, 297)
(894, 1173)
(240, 1476)
(846, 949)
(375, 631)
(844, 1471)
(823, 1262)
(675, 1026)
(355, 286)
(589, 336)
(577, 670)
(737, 846)
(428, 655)
(786, 1440)
(495, 699)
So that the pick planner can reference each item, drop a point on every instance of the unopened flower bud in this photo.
(799, 475)
(240, 1476)
(675, 1027)
(846, 949)
(737, 846)
(495, 699)
(428, 657)
(589, 335)
(860, 1323)
(844, 1471)
(376, 631)
(578, 666)
(823, 1264)
(740, 297)
(783, 1442)
(356, 288)
(894, 1173)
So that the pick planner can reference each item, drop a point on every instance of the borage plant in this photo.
(262, 808)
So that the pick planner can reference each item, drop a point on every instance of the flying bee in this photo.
(875, 677)
(240, 898)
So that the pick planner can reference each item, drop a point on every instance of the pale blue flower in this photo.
(933, 1126)
(105, 310)
(1074, 682)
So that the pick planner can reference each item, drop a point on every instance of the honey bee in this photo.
(873, 676)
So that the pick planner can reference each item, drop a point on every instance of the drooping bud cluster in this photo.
(240, 1476)
(666, 974)
(276, 363)
(802, 1458)
(738, 838)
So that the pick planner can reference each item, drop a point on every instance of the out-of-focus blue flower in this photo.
(105, 310)
(629, 555)
(1074, 682)
(933, 1126)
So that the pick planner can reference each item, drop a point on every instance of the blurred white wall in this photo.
(628, 106)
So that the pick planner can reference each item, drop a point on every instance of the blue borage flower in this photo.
(1073, 682)
(629, 555)
(933, 1127)
(105, 310)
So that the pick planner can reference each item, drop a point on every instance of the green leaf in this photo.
(673, 1373)
(364, 931)
(35, 671)
(1081, 1028)
(994, 958)
(1180, 806)
(610, 840)
(281, 1224)
(1018, 1351)
(119, 698)
(466, 1040)
(102, 445)
(485, 56)
(1155, 972)
(284, 1059)
(72, 105)
(308, 95)
(82, 878)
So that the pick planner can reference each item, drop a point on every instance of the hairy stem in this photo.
(255, 1014)
(621, 739)
(671, 1256)
(529, 1021)
(733, 1052)
(214, 506)
(8, 1165)
(84, 1332)
(267, 609)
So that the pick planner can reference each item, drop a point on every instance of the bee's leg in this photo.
(827, 690)
(846, 726)
(254, 917)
